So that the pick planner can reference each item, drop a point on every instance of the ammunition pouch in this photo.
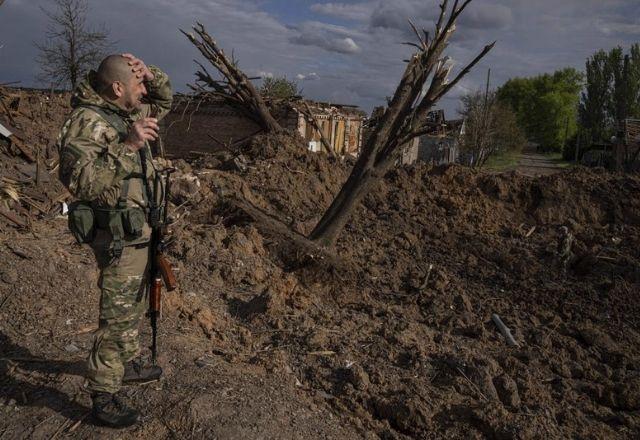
(133, 222)
(121, 224)
(82, 222)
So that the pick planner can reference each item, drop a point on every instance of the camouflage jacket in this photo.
(93, 159)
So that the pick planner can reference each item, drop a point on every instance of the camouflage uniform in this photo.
(93, 164)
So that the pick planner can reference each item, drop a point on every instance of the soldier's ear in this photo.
(118, 88)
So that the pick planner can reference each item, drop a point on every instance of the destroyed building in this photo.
(627, 148)
(195, 126)
(440, 146)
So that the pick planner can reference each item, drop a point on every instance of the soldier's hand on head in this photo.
(145, 129)
(139, 67)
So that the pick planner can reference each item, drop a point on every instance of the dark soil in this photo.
(392, 340)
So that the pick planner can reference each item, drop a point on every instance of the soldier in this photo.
(105, 162)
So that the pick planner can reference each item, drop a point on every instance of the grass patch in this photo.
(503, 161)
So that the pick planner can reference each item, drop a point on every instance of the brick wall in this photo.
(190, 129)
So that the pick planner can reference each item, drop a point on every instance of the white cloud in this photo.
(326, 36)
(307, 77)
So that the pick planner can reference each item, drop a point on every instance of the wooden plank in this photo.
(341, 128)
(26, 152)
(13, 217)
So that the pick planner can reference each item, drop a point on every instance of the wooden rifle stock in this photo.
(164, 267)
(155, 293)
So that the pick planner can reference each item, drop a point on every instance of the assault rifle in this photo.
(160, 269)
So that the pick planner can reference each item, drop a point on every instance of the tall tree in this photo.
(625, 87)
(545, 105)
(612, 92)
(405, 118)
(595, 100)
(70, 48)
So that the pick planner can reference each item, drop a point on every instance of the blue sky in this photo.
(339, 51)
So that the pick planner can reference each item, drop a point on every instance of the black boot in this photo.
(136, 371)
(110, 410)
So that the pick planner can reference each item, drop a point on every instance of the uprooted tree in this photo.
(404, 119)
(235, 88)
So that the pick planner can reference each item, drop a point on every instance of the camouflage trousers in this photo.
(122, 304)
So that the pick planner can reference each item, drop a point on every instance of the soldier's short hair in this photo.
(113, 68)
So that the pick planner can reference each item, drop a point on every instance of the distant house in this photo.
(599, 155)
(194, 127)
(626, 150)
(438, 147)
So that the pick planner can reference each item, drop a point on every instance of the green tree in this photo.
(546, 106)
(595, 98)
(625, 88)
(279, 88)
(612, 92)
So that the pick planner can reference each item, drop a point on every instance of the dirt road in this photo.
(533, 163)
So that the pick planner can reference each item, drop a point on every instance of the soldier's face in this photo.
(134, 91)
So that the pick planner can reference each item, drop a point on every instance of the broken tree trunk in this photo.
(289, 241)
(234, 87)
(404, 119)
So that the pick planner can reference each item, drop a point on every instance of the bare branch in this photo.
(70, 48)
(443, 10)
(236, 88)
(468, 68)
(415, 31)
(409, 43)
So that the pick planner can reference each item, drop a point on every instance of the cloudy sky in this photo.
(345, 52)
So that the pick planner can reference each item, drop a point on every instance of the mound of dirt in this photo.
(403, 342)
(393, 339)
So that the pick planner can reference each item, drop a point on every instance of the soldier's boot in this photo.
(135, 372)
(109, 410)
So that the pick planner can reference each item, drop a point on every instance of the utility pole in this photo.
(486, 92)
(482, 137)
(566, 135)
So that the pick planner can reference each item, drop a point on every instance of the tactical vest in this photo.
(121, 221)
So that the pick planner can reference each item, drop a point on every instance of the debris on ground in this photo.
(395, 341)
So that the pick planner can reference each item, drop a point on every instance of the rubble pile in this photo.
(396, 341)
(29, 189)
